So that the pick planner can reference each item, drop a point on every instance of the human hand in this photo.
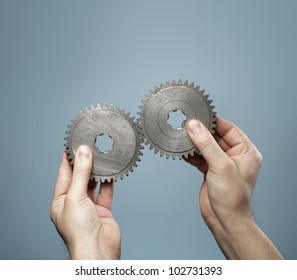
(230, 163)
(83, 220)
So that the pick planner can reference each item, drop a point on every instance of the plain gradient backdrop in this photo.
(56, 57)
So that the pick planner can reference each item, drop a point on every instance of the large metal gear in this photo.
(120, 127)
(157, 107)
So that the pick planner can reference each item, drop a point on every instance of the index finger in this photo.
(230, 133)
(105, 195)
(64, 177)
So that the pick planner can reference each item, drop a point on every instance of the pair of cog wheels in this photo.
(152, 127)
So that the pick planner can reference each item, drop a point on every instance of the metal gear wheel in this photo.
(157, 107)
(120, 127)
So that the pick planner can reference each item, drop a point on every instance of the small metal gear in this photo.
(120, 127)
(157, 107)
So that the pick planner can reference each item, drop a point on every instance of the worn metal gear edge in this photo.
(155, 110)
(120, 126)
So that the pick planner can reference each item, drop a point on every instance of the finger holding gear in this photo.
(90, 125)
(156, 109)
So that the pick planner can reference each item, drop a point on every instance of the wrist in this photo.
(83, 250)
(243, 239)
(235, 236)
(93, 251)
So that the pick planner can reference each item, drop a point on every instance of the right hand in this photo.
(230, 163)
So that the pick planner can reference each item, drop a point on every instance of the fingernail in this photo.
(194, 126)
(83, 152)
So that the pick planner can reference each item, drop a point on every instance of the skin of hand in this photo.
(230, 163)
(82, 218)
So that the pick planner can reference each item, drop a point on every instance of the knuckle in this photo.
(227, 167)
(81, 169)
(257, 158)
(205, 142)
(53, 215)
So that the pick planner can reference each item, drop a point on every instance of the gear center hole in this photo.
(176, 119)
(104, 143)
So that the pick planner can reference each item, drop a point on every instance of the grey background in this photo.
(56, 57)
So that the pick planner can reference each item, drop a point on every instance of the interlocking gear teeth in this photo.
(154, 112)
(120, 126)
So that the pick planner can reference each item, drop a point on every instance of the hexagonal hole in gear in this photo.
(176, 119)
(104, 143)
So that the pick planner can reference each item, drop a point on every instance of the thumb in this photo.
(81, 171)
(206, 144)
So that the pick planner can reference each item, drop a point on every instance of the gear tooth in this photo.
(180, 82)
(92, 107)
(66, 138)
(191, 85)
(212, 107)
(186, 83)
(173, 83)
(202, 92)
(167, 83)
(167, 156)
(197, 88)
(173, 157)
(186, 155)
(192, 152)
(206, 96)
(162, 85)
(138, 158)
(180, 157)
(155, 151)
